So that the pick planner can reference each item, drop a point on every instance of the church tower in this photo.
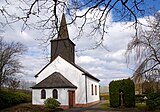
(62, 45)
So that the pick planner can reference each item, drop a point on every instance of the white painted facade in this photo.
(83, 83)
(62, 96)
(94, 97)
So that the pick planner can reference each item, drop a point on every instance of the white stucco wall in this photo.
(73, 74)
(62, 96)
(90, 97)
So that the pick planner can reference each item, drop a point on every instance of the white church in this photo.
(64, 80)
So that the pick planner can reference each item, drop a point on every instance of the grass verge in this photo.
(105, 105)
(104, 96)
(139, 106)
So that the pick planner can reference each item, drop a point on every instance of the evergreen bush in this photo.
(51, 103)
(8, 98)
(128, 88)
(153, 101)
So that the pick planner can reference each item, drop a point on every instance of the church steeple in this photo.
(63, 30)
(62, 45)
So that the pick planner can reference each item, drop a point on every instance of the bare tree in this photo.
(146, 46)
(12, 83)
(43, 14)
(9, 60)
(25, 85)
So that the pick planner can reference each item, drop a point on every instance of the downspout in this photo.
(86, 88)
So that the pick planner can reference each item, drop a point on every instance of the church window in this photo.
(95, 90)
(43, 94)
(55, 94)
(92, 89)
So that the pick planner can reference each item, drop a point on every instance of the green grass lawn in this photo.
(105, 105)
(139, 106)
(104, 96)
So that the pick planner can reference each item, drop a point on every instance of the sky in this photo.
(106, 63)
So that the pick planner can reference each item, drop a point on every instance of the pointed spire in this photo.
(63, 30)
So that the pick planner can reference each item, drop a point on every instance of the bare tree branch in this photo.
(43, 14)
(9, 60)
(146, 46)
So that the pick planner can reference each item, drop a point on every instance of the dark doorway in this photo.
(71, 95)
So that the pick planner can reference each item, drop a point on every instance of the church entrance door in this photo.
(71, 95)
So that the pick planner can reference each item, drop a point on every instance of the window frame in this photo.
(92, 92)
(95, 89)
(43, 94)
(55, 94)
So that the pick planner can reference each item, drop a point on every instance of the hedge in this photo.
(153, 101)
(8, 98)
(128, 88)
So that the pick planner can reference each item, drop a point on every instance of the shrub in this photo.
(8, 98)
(128, 88)
(51, 103)
(153, 101)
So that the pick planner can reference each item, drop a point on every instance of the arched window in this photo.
(55, 94)
(95, 90)
(43, 94)
(92, 88)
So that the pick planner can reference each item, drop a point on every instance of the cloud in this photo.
(32, 65)
(118, 55)
(35, 58)
(88, 60)
(105, 65)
